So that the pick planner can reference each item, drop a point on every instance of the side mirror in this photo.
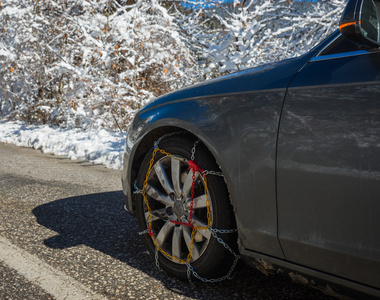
(361, 22)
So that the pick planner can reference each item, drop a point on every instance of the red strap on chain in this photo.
(195, 167)
(182, 223)
(150, 231)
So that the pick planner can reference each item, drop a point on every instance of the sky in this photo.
(203, 3)
(211, 3)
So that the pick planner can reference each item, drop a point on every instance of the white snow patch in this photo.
(100, 146)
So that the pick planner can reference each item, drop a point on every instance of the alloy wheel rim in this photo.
(168, 191)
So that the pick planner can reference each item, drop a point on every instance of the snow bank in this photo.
(100, 146)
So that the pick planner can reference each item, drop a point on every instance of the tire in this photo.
(169, 200)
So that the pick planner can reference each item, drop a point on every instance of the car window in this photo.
(340, 45)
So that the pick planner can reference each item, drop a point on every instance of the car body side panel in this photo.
(329, 168)
(240, 129)
(247, 155)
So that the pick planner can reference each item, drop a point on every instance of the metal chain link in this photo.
(193, 150)
(206, 172)
(137, 189)
(155, 144)
(189, 267)
(156, 257)
(229, 274)
(222, 230)
(220, 240)
(146, 231)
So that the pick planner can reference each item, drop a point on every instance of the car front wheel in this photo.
(179, 205)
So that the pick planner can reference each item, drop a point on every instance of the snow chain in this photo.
(195, 168)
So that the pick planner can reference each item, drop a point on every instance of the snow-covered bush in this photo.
(263, 31)
(88, 63)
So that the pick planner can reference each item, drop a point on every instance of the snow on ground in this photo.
(100, 146)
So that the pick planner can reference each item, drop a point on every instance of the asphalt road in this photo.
(64, 235)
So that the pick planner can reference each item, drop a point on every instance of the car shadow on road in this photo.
(100, 222)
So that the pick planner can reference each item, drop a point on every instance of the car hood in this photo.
(266, 77)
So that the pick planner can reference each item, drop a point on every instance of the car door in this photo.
(328, 164)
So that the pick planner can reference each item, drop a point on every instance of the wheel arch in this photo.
(147, 143)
